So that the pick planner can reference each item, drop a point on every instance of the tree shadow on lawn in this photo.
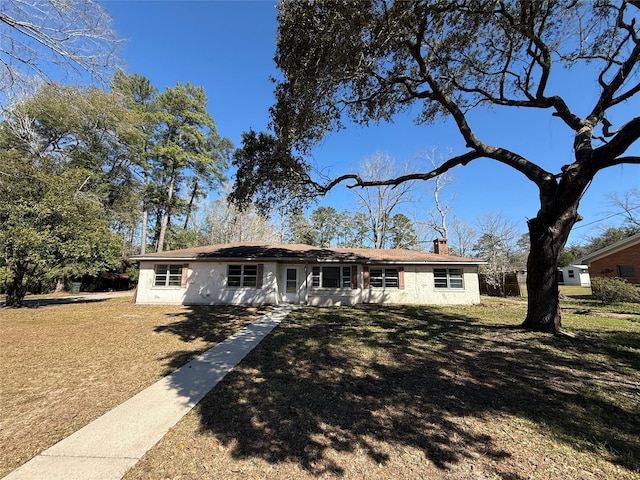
(368, 376)
(213, 324)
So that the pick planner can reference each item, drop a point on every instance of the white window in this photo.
(383, 278)
(448, 278)
(331, 277)
(242, 276)
(167, 275)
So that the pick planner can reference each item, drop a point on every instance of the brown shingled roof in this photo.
(261, 251)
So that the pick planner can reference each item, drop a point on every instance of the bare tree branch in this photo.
(381, 201)
(49, 38)
(608, 155)
(628, 204)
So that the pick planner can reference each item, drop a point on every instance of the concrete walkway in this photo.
(110, 445)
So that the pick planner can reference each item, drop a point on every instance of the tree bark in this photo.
(16, 289)
(143, 230)
(543, 312)
(165, 215)
(145, 216)
(548, 233)
(192, 200)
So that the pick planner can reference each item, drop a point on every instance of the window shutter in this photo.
(185, 275)
(354, 277)
(259, 281)
(365, 276)
(401, 278)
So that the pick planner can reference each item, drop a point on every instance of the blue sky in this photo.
(228, 47)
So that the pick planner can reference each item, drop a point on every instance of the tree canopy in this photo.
(65, 182)
(368, 61)
(82, 168)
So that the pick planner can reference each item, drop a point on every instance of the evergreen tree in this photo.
(188, 155)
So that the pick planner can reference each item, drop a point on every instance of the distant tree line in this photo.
(326, 227)
(89, 176)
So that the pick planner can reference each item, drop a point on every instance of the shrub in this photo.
(614, 290)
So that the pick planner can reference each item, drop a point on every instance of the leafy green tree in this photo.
(608, 237)
(63, 179)
(52, 227)
(141, 97)
(182, 158)
(299, 229)
(262, 156)
(324, 226)
(565, 258)
(353, 229)
(370, 61)
(185, 237)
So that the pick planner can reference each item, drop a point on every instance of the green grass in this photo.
(575, 290)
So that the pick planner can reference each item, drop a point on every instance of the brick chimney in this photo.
(440, 246)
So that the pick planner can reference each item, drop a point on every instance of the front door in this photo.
(291, 286)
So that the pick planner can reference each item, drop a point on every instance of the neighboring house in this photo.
(621, 260)
(254, 273)
(574, 275)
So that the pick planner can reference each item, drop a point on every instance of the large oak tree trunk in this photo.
(548, 233)
(543, 310)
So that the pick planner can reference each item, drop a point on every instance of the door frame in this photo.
(288, 295)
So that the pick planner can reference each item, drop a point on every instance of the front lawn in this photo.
(419, 392)
(64, 365)
(366, 392)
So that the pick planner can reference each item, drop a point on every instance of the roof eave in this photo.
(305, 260)
(608, 250)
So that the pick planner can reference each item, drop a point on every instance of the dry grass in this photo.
(417, 393)
(368, 392)
(65, 365)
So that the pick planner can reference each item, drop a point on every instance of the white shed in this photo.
(574, 275)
